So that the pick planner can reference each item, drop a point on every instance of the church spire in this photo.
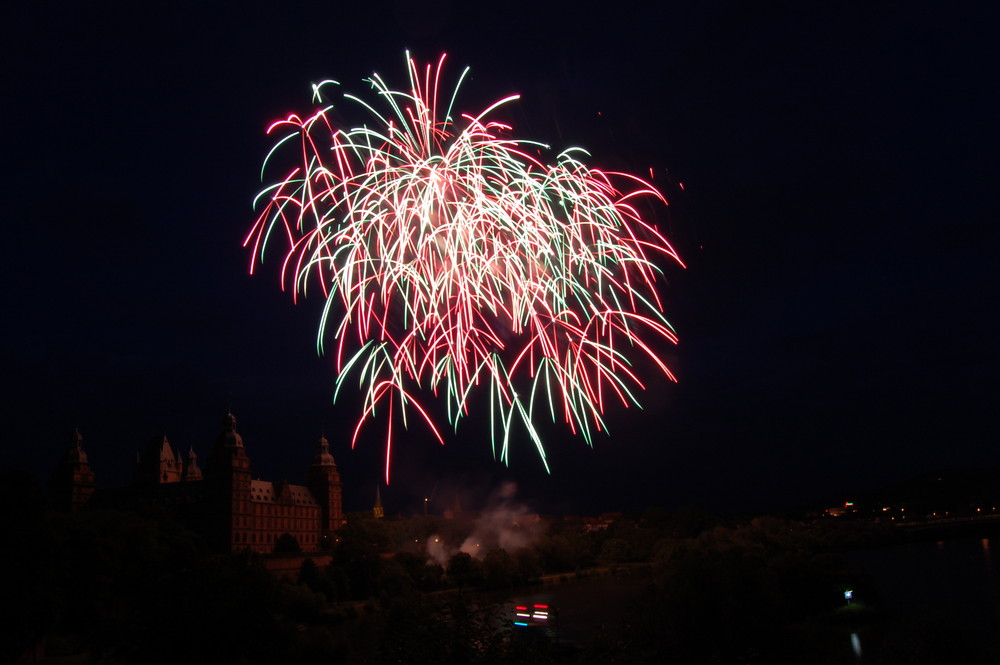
(377, 511)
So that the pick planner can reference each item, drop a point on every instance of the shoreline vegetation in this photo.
(119, 587)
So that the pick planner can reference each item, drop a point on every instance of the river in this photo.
(581, 607)
(954, 581)
(956, 577)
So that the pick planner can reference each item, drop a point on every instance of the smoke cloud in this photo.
(504, 523)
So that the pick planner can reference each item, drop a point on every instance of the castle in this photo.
(224, 504)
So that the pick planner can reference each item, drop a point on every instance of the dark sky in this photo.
(838, 316)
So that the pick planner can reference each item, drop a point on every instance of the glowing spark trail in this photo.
(452, 259)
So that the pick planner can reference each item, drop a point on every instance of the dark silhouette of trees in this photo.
(113, 584)
(529, 565)
(426, 576)
(464, 571)
(317, 580)
(32, 598)
(356, 565)
(615, 551)
(500, 570)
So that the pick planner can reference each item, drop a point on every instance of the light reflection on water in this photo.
(856, 647)
(581, 608)
(952, 578)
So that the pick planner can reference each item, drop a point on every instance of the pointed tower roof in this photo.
(378, 511)
(160, 450)
(158, 463)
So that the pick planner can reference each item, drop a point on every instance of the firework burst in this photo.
(453, 260)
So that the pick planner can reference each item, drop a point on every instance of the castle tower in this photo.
(158, 464)
(191, 470)
(73, 480)
(228, 477)
(324, 483)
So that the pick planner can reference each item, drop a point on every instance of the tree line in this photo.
(124, 587)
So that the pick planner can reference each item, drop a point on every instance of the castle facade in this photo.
(224, 503)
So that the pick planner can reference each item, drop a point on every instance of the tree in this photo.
(615, 550)
(529, 566)
(464, 570)
(426, 576)
(359, 561)
(316, 580)
(499, 569)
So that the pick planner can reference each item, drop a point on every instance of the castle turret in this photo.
(191, 470)
(228, 478)
(73, 480)
(158, 464)
(324, 483)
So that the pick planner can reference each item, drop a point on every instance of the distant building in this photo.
(230, 509)
(840, 511)
(600, 523)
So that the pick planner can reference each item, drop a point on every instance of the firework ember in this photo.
(453, 260)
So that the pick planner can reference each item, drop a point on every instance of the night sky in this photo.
(838, 316)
